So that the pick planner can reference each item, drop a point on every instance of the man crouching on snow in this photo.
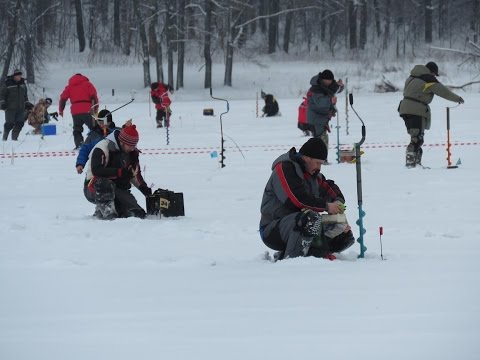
(112, 168)
(294, 197)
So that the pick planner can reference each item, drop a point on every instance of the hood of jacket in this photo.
(77, 79)
(419, 70)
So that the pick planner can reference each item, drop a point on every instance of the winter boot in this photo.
(278, 255)
(341, 242)
(107, 210)
(411, 159)
(418, 157)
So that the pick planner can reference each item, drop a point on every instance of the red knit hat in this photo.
(129, 135)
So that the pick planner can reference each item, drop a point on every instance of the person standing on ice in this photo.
(418, 92)
(14, 100)
(295, 196)
(161, 99)
(84, 102)
(321, 103)
(113, 167)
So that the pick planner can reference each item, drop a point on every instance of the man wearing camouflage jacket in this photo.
(419, 90)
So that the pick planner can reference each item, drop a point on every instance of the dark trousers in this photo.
(101, 190)
(163, 115)
(78, 121)
(416, 129)
(14, 119)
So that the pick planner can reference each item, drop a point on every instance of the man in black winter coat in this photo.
(14, 100)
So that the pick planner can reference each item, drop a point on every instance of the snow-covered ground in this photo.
(197, 287)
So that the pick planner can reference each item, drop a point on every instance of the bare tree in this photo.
(143, 38)
(207, 44)
(428, 21)
(352, 23)
(79, 22)
(288, 27)
(363, 23)
(181, 42)
(11, 39)
(116, 23)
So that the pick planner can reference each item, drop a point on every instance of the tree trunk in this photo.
(352, 24)
(363, 24)
(40, 25)
(181, 43)
(428, 21)
(442, 18)
(273, 27)
(227, 81)
(80, 29)
(116, 23)
(377, 18)
(169, 26)
(91, 24)
(143, 39)
(29, 59)
(158, 47)
(288, 27)
(207, 44)
(12, 41)
(262, 11)
(386, 33)
(474, 22)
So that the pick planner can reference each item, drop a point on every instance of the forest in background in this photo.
(167, 34)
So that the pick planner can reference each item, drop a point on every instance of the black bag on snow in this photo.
(165, 203)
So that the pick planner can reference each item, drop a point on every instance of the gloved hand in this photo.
(461, 101)
(54, 115)
(126, 173)
(145, 190)
(60, 112)
(341, 206)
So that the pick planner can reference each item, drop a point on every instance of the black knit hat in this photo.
(432, 67)
(326, 75)
(105, 114)
(17, 72)
(315, 148)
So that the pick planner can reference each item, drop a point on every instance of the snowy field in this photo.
(198, 287)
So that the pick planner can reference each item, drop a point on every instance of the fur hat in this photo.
(129, 135)
(315, 148)
(432, 67)
(326, 75)
(17, 72)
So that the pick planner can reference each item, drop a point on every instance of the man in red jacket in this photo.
(159, 93)
(84, 102)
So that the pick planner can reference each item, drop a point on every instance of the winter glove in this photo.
(156, 100)
(54, 115)
(125, 173)
(461, 101)
(341, 206)
(60, 112)
(145, 190)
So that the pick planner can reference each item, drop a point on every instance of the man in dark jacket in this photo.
(419, 90)
(84, 102)
(14, 100)
(321, 103)
(113, 167)
(271, 107)
(294, 198)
